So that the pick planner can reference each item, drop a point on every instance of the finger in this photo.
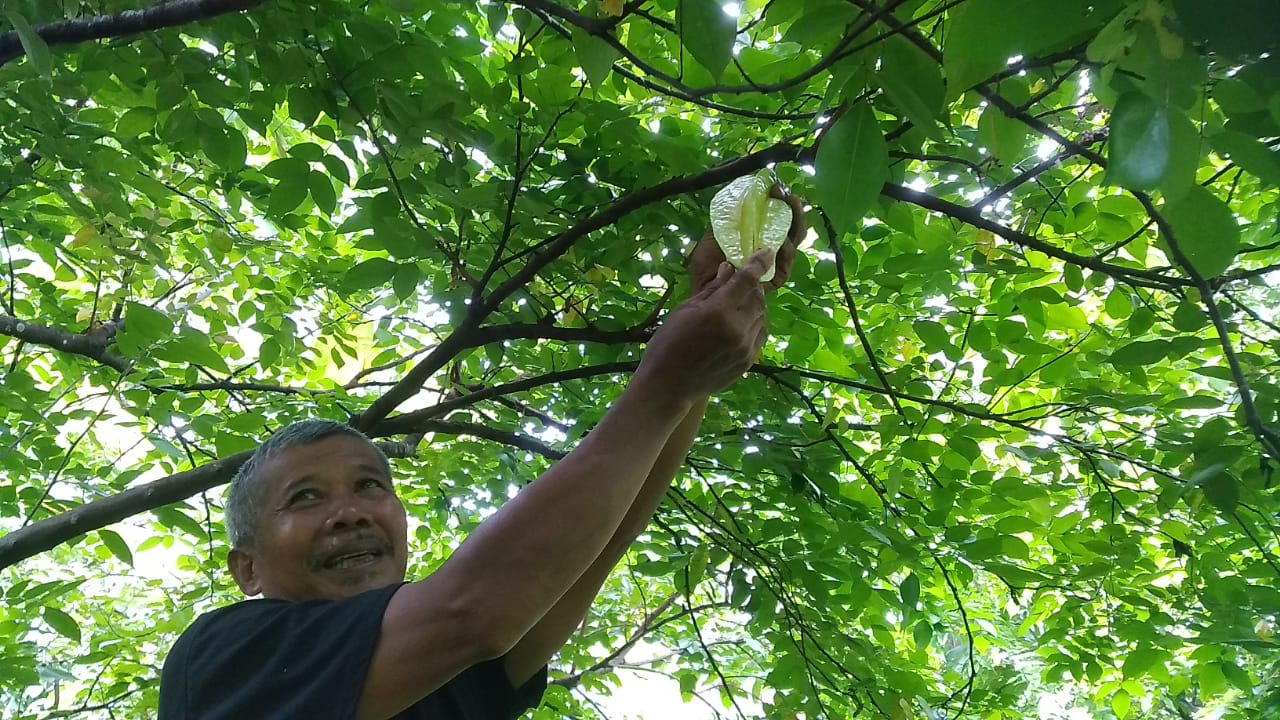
(787, 252)
(723, 274)
(782, 266)
(747, 279)
(798, 224)
(703, 261)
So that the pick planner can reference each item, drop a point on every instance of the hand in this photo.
(711, 339)
(707, 255)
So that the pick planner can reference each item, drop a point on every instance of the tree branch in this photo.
(407, 422)
(163, 14)
(49, 533)
(92, 345)
(645, 625)
(559, 245)
(484, 432)
(970, 216)
(499, 333)
(1268, 439)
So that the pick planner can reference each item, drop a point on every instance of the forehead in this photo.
(332, 457)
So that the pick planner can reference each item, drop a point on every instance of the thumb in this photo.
(757, 265)
(723, 273)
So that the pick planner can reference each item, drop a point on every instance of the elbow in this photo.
(485, 627)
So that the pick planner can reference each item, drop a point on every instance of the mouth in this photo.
(353, 560)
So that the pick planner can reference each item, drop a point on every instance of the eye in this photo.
(369, 483)
(304, 495)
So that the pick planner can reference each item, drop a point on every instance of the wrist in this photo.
(652, 396)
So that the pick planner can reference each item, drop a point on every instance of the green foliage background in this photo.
(1013, 435)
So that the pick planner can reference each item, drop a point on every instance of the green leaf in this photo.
(34, 46)
(116, 545)
(174, 519)
(707, 32)
(1120, 704)
(1237, 676)
(1185, 154)
(851, 167)
(1241, 27)
(922, 633)
(1205, 229)
(371, 273)
(304, 105)
(1003, 136)
(62, 623)
(594, 55)
(1211, 679)
(1222, 490)
(294, 175)
(405, 281)
(146, 324)
(695, 570)
(821, 23)
(322, 193)
(1141, 660)
(1255, 158)
(308, 152)
(909, 589)
(688, 682)
(914, 83)
(135, 122)
(191, 347)
(801, 343)
(983, 34)
(1143, 352)
(287, 167)
(1119, 304)
(1139, 140)
(933, 334)
(288, 194)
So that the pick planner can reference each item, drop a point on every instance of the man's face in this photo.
(331, 525)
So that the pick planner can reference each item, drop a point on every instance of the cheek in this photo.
(293, 534)
(393, 519)
(396, 519)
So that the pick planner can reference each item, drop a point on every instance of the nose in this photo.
(347, 512)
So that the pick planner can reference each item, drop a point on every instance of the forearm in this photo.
(521, 561)
(664, 471)
(544, 639)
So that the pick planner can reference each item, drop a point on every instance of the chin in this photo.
(350, 584)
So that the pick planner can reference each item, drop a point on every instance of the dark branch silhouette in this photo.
(163, 14)
(92, 345)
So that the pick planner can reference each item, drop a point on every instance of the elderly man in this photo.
(318, 531)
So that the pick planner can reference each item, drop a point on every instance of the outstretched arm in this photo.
(511, 572)
(546, 638)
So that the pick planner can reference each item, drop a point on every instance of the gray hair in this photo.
(243, 508)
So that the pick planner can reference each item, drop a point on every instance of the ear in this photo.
(241, 564)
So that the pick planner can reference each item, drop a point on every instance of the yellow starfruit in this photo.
(746, 220)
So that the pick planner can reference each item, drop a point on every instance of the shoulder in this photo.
(216, 624)
(255, 652)
(211, 633)
(249, 620)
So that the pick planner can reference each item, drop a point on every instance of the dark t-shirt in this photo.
(274, 659)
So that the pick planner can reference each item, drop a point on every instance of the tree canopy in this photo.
(1013, 438)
